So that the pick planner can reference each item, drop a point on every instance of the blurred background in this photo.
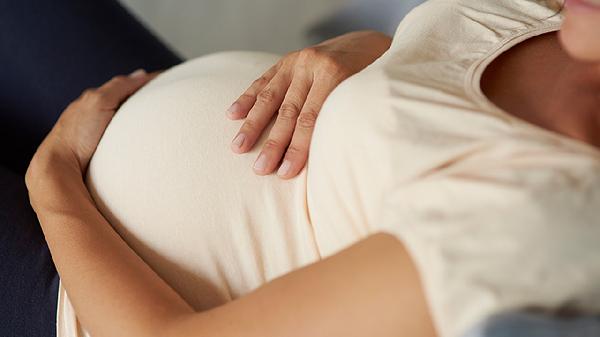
(197, 27)
(53, 51)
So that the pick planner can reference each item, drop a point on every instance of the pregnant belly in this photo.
(164, 177)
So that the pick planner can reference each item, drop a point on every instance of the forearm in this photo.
(116, 294)
(369, 42)
(113, 291)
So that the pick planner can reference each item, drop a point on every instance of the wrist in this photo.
(380, 35)
(380, 40)
(50, 163)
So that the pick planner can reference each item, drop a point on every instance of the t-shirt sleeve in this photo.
(490, 236)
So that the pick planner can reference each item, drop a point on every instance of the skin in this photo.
(579, 33)
(293, 92)
(370, 289)
(563, 68)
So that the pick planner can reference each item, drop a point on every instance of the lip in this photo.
(582, 5)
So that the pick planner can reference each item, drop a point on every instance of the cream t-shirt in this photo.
(498, 214)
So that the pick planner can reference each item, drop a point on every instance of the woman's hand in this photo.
(295, 89)
(78, 130)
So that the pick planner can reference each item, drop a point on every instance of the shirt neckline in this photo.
(473, 89)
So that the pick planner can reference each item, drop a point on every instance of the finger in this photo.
(297, 152)
(281, 133)
(267, 102)
(110, 95)
(240, 108)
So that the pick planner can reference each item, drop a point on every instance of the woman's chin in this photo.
(579, 36)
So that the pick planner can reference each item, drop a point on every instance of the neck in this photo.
(538, 82)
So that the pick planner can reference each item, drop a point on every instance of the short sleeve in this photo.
(497, 235)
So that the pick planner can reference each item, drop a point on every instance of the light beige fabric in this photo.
(498, 214)
(165, 177)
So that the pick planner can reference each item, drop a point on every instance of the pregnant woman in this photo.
(454, 178)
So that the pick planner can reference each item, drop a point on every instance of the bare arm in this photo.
(370, 289)
(113, 291)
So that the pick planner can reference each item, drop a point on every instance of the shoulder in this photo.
(512, 12)
(458, 30)
(503, 227)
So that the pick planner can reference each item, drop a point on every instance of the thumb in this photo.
(119, 88)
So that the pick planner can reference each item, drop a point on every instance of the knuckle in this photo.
(331, 65)
(307, 119)
(288, 58)
(266, 96)
(272, 144)
(246, 97)
(261, 81)
(294, 151)
(100, 96)
(288, 111)
(93, 96)
(326, 61)
(292, 54)
(119, 78)
(309, 52)
(87, 93)
(250, 126)
(329, 60)
(74, 105)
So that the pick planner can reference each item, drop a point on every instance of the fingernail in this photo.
(138, 73)
(284, 168)
(239, 140)
(261, 163)
(233, 109)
